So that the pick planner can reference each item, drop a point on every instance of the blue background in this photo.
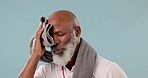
(117, 29)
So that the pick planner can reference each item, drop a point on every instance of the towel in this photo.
(46, 40)
(85, 61)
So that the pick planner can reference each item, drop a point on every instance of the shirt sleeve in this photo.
(39, 73)
(116, 72)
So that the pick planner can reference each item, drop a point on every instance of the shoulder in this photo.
(105, 68)
(102, 65)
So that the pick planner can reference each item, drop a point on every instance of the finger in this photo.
(42, 20)
(39, 32)
(40, 26)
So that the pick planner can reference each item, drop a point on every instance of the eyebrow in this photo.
(57, 32)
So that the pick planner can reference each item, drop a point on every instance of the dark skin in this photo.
(62, 34)
(63, 25)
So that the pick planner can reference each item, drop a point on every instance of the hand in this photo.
(38, 49)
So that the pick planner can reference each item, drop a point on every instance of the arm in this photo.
(30, 67)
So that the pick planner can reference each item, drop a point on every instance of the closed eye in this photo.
(61, 34)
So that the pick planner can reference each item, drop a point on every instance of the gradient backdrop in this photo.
(117, 29)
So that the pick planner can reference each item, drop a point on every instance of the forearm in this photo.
(30, 67)
(38, 50)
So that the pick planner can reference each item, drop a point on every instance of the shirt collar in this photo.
(58, 67)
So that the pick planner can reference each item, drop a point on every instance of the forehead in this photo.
(59, 26)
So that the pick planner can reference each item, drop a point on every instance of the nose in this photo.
(56, 40)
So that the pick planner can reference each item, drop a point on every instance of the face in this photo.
(68, 52)
(65, 42)
(61, 33)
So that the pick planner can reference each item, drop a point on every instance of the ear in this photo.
(77, 31)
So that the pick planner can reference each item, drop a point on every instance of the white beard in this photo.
(68, 51)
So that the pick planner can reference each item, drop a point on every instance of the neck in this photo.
(73, 59)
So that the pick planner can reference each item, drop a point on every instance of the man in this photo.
(72, 56)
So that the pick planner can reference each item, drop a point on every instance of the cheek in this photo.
(65, 39)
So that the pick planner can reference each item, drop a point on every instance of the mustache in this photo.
(56, 46)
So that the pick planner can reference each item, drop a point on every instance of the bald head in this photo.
(64, 16)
